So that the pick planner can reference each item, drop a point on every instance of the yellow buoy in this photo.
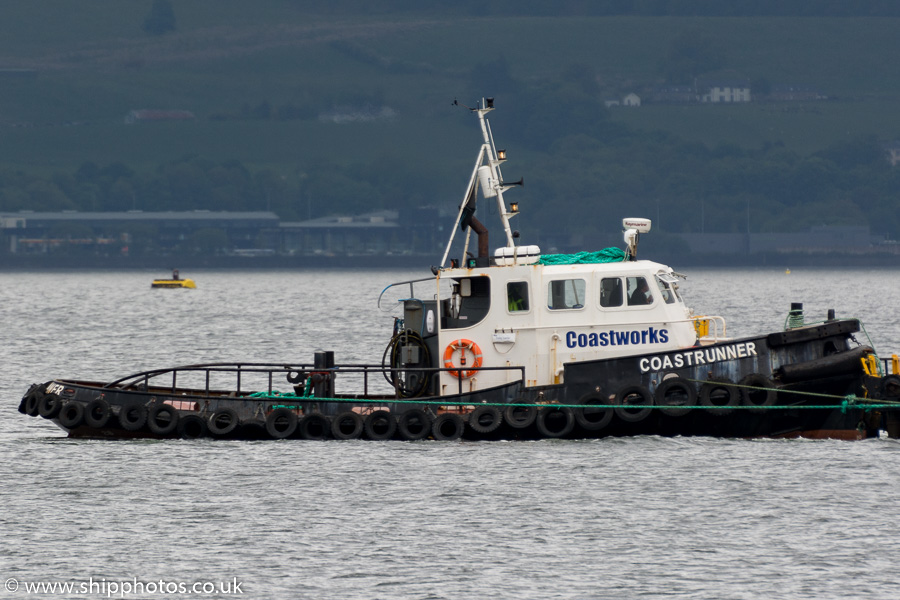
(174, 283)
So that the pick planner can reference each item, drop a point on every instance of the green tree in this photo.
(46, 196)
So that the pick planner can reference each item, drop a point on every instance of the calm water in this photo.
(635, 518)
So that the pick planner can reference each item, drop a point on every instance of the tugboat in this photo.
(519, 345)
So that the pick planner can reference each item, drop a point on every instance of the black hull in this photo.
(808, 382)
(741, 422)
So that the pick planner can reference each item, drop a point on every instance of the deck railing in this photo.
(291, 374)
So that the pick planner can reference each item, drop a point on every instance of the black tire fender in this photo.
(721, 395)
(162, 419)
(633, 394)
(133, 416)
(32, 390)
(674, 393)
(222, 422)
(485, 419)
(314, 426)
(593, 419)
(192, 426)
(71, 415)
(49, 406)
(448, 427)
(380, 425)
(97, 413)
(414, 424)
(758, 399)
(347, 426)
(555, 422)
(33, 402)
(520, 417)
(281, 423)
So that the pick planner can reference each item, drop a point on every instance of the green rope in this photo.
(797, 392)
(276, 394)
(848, 402)
(794, 319)
(607, 255)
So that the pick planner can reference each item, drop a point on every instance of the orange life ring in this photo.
(462, 346)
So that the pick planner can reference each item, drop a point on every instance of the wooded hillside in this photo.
(312, 108)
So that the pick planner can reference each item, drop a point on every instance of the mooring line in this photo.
(798, 392)
(848, 402)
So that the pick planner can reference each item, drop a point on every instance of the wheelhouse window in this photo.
(638, 291)
(611, 292)
(566, 294)
(668, 288)
(517, 296)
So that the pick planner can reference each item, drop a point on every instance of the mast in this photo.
(495, 159)
(486, 174)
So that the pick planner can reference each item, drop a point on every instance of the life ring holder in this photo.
(462, 345)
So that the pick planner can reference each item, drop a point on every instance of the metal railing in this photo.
(410, 283)
(702, 325)
(269, 371)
